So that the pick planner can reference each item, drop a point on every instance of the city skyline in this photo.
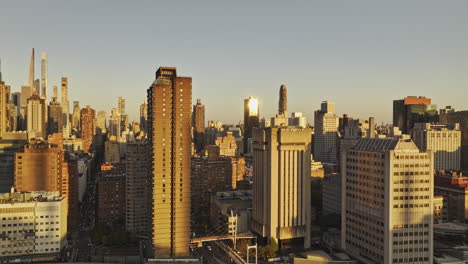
(373, 53)
(204, 132)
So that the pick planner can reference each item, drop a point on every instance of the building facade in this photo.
(461, 117)
(443, 140)
(251, 120)
(211, 175)
(297, 119)
(281, 186)
(36, 117)
(453, 187)
(231, 207)
(10, 143)
(198, 124)
(111, 193)
(411, 110)
(4, 107)
(65, 107)
(38, 167)
(88, 128)
(54, 117)
(169, 115)
(331, 194)
(387, 208)
(112, 151)
(326, 134)
(144, 116)
(138, 169)
(34, 226)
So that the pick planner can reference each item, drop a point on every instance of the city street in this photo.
(83, 247)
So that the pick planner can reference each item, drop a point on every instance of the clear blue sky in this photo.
(359, 54)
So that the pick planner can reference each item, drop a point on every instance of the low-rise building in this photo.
(321, 257)
(211, 175)
(228, 207)
(453, 186)
(33, 226)
(440, 211)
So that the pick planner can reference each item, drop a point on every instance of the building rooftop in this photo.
(235, 195)
(451, 227)
(450, 179)
(384, 144)
(24, 197)
(447, 259)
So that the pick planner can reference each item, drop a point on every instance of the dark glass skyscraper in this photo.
(411, 110)
(251, 120)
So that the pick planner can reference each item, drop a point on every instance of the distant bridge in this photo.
(200, 240)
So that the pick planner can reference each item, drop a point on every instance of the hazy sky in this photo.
(359, 54)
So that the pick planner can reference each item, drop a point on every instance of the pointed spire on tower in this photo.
(1, 80)
(31, 73)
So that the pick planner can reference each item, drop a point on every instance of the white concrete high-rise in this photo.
(36, 117)
(35, 224)
(297, 119)
(387, 207)
(281, 186)
(443, 140)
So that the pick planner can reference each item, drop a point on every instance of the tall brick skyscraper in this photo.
(198, 123)
(88, 128)
(169, 110)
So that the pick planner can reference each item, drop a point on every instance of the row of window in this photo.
(30, 251)
(409, 242)
(28, 217)
(30, 244)
(411, 189)
(411, 156)
(405, 234)
(410, 181)
(26, 224)
(405, 250)
(406, 260)
(410, 205)
(410, 197)
(410, 226)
